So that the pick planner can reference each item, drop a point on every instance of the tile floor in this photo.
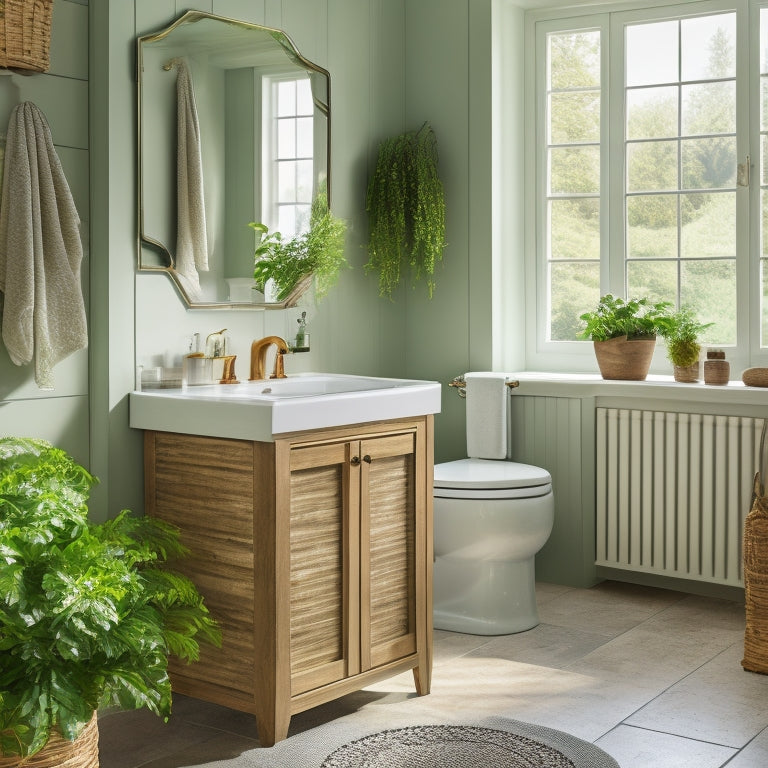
(651, 676)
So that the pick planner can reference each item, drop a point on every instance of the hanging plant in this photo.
(406, 210)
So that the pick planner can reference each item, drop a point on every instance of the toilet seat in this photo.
(490, 479)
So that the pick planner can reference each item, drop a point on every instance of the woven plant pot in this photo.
(25, 34)
(624, 359)
(59, 752)
(687, 374)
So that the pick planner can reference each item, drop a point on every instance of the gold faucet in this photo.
(259, 357)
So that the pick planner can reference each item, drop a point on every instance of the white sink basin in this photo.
(259, 410)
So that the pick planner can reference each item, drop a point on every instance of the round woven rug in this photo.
(465, 746)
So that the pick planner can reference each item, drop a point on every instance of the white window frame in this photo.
(578, 356)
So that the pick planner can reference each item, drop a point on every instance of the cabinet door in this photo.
(324, 565)
(390, 507)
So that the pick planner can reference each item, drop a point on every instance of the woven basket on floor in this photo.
(59, 752)
(755, 559)
(25, 34)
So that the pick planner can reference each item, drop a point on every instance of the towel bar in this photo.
(461, 385)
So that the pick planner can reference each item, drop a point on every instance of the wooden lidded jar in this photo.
(717, 370)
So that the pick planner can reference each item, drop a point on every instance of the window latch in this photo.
(742, 173)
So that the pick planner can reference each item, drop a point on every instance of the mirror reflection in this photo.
(233, 128)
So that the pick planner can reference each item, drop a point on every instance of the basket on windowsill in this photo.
(25, 34)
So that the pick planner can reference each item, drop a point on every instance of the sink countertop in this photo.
(261, 410)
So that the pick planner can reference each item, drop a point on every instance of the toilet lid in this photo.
(489, 473)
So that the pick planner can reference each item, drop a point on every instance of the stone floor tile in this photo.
(639, 748)
(734, 716)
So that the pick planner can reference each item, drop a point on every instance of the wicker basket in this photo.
(25, 34)
(59, 752)
(755, 559)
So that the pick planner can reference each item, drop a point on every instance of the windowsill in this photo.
(654, 387)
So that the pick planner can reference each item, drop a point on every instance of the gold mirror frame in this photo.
(320, 79)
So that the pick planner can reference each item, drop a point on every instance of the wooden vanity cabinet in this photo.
(313, 552)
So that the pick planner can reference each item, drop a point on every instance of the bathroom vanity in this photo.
(312, 547)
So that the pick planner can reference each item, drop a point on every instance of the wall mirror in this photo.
(234, 127)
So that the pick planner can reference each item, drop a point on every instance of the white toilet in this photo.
(491, 518)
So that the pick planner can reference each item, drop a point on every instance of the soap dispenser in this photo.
(302, 335)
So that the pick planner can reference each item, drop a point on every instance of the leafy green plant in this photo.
(681, 334)
(88, 613)
(406, 210)
(319, 252)
(634, 318)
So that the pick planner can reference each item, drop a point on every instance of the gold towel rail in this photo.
(461, 385)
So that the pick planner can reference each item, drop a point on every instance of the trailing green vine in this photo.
(406, 210)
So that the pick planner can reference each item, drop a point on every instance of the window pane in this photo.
(764, 159)
(651, 53)
(710, 288)
(287, 221)
(286, 182)
(655, 279)
(708, 47)
(574, 59)
(574, 229)
(652, 226)
(708, 225)
(286, 138)
(304, 181)
(764, 102)
(651, 166)
(708, 163)
(574, 169)
(709, 108)
(574, 116)
(652, 113)
(764, 222)
(575, 289)
(302, 214)
(286, 98)
(764, 324)
(304, 137)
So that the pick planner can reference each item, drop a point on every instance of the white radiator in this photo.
(673, 490)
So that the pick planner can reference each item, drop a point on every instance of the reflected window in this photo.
(288, 147)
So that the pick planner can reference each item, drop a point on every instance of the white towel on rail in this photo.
(191, 230)
(486, 415)
(40, 250)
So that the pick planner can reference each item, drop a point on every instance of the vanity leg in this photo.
(422, 676)
(272, 729)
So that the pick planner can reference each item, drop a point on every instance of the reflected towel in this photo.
(191, 231)
(40, 250)
(486, 415)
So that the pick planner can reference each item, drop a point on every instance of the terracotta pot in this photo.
(59, 752)
(687, 374)
(624, 359)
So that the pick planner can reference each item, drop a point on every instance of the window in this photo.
(288, 137)
(643, 145)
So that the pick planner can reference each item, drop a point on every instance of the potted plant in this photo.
(681, 333)
(624, 335)
(88, 612)
(406, 210)
(292, 264)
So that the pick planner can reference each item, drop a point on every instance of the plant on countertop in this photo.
(406, 210)
(635, 319)
(318, 252)
(88, 612)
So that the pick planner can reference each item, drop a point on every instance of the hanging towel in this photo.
(40, 250)
(191, 232)
(486, 415)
